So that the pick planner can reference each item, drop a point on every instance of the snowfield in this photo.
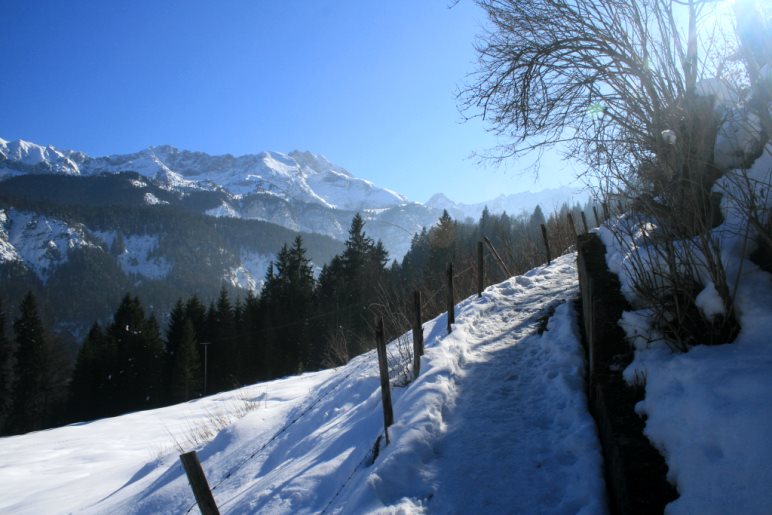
(496, 422)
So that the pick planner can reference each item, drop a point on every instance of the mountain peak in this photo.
(439, 200)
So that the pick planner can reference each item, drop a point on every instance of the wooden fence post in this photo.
(480, 269)
(571, 223)
(383, 365)
(584, 223)
(546, 243)
(451, 301)
(597, 218)
(198, 483)
(496, 255)
(418, 334)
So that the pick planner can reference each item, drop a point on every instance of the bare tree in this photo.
(604, 79)
(619, 85)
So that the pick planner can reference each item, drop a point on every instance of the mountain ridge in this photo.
(299, 190)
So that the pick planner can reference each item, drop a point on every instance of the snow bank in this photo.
(709, 411)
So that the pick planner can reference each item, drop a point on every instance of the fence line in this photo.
(383, 363)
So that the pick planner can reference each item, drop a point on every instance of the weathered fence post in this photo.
(546, 243)
(496, 255)
(584, 223)
(597, 218)
(480, 269)
(451, 301)
(198, 483)
(383, 365)
(418, 334)
(571, 223)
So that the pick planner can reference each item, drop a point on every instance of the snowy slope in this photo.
(709, 410)
(41, 243)
(497, 422)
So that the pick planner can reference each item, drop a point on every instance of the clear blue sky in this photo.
(369, 84)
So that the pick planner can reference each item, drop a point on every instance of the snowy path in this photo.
(500, 421)
(516, 434)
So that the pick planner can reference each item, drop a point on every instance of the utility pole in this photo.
(206, 363)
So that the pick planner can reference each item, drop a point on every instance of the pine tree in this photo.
(139, 357)
(355, 278)
(288, 300)
(151, 361)
(7, 360)
(224, 349)
(31, 394)
(442, 239)
(184, 368)
(253, 367)
(91, 388)
(196, 313)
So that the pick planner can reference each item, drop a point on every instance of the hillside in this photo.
(306, 443)
(497, 421)
(102, 237)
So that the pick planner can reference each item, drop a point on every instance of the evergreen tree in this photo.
(184, 370)
(252, 360)
(196, 313)
(31, 390)
(288, 297)
(186, 378)
(442, 239)
(350, 284)
(139, 357)
(91, 388)
(224, 348)
(7, 359)
(534, 222)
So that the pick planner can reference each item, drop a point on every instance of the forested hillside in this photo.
(144, 357)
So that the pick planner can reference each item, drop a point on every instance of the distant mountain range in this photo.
(301, 191)
(514, 204)
(165, 222)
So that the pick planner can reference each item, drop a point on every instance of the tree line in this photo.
(299, 321)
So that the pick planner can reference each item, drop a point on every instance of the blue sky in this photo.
(369, 84)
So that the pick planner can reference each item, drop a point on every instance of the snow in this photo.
(496, 422)
(69, 469)
(224, 210)
(41, 243)
(31, 154)
(709, 410)
(7, 250)
(739, 138)
(250, 274)
(709, 301)
(152, 200)
(138, 256)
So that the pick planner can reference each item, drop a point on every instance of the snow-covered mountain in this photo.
(301, 191)
(515, 204)
(298, 176)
